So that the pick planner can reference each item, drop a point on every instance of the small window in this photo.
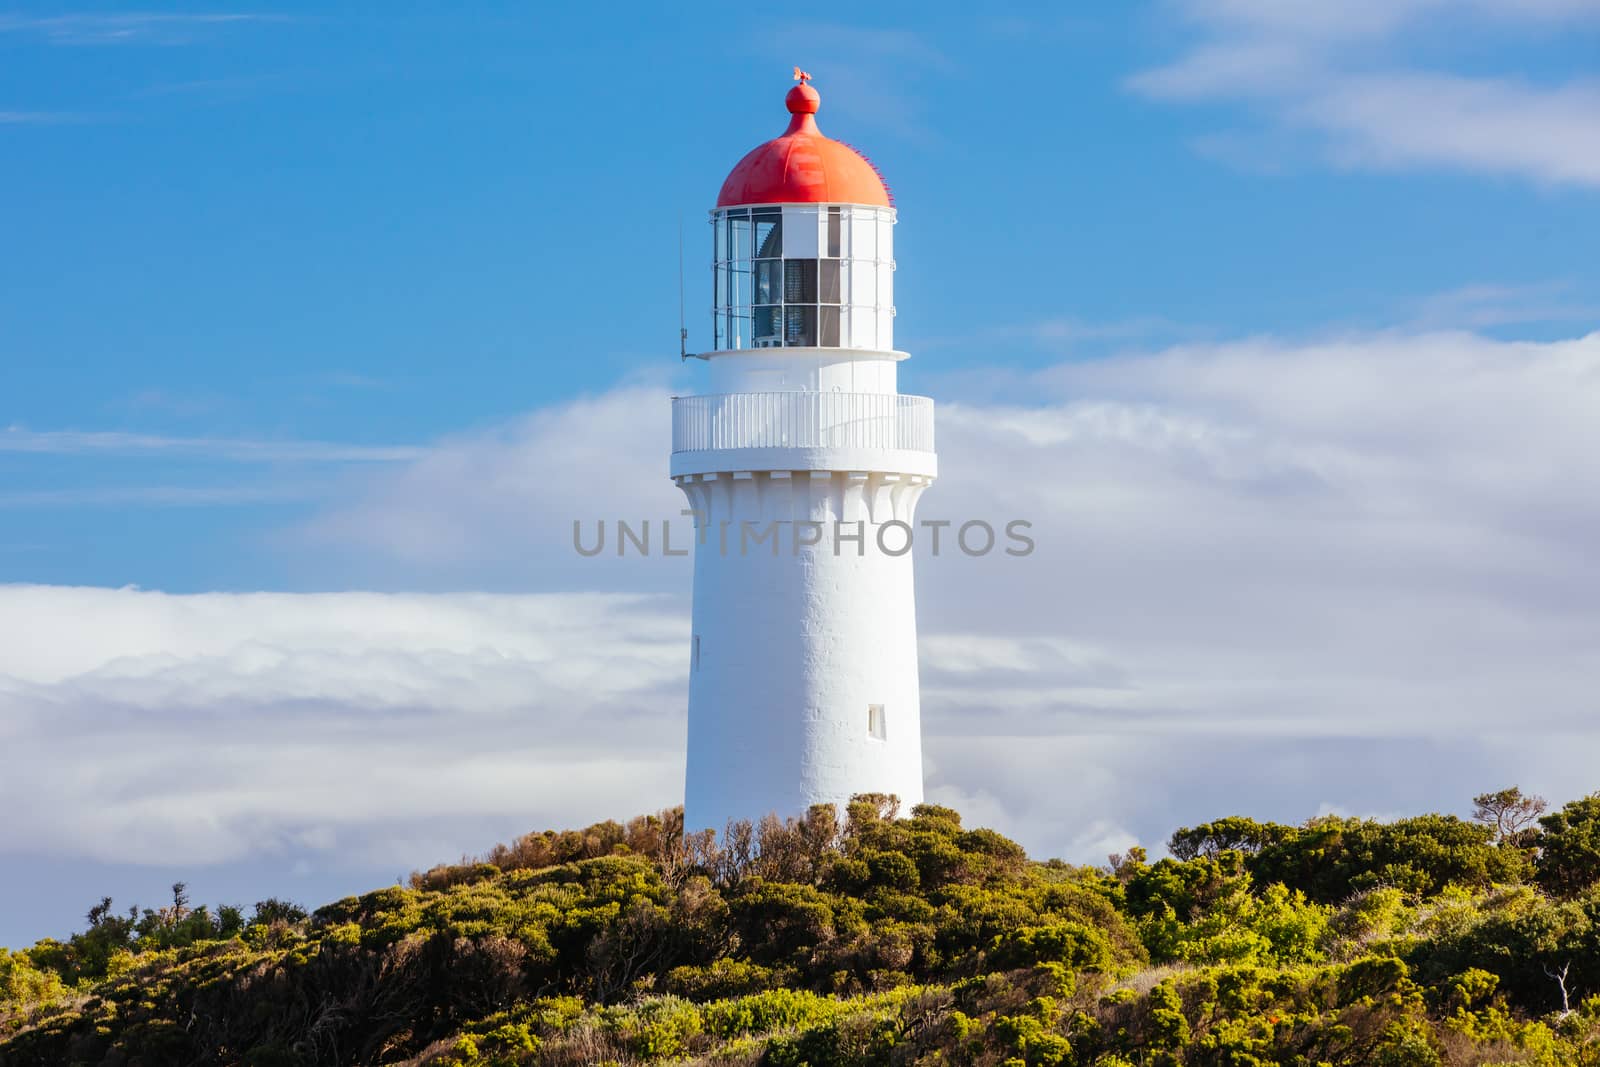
(877, 727)
(694, 653)
(834, 229)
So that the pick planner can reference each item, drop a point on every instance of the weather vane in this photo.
(801, 76)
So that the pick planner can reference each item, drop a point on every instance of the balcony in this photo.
(809, 420)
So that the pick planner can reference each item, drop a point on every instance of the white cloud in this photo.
(514, 493)
(1487, 304)
(1366, 20)
(1340, 72)
(1503, 125)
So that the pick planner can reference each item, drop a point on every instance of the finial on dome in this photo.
(803, 100)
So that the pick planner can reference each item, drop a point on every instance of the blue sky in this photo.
(371, 228)
(306, 300)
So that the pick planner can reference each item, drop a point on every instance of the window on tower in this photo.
(877, 725)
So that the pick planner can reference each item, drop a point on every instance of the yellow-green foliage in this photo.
(24, 986)
(777, 1009)
(865, 941)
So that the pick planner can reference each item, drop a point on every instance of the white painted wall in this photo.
(776, 370)
(793, 648)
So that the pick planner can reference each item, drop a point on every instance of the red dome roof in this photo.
(803, 166)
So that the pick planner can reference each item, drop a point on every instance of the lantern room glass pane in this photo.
(835, 231)
(800, 281)
(828, 326)
(829, 290)
(800, 326)
(766, 329)
(739, 328)
(769, 282)
(738, 246)
(801, 232)
(738, 285)
(768, 233)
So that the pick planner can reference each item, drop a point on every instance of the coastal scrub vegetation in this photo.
(865, 938)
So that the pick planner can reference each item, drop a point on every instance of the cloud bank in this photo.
(213, 728)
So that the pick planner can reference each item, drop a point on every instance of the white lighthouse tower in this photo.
(803, 464)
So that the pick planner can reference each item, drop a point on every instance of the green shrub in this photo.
(776, 1009)
(881, 940)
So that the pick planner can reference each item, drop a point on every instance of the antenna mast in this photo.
(683, 329)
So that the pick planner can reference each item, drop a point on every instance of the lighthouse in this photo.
(803, 464)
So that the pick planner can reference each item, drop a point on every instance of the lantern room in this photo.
(803, 244)
(804, 276)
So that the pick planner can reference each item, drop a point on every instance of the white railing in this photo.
(802, 420)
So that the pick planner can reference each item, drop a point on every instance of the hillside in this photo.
(868, 939)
